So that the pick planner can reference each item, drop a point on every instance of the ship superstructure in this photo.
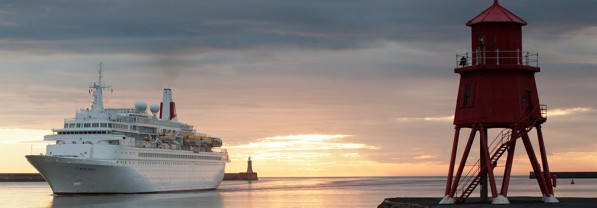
(127, 150)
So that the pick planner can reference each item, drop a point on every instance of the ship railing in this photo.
(497, 57)
(121, 110)
(128, 119)
(145, 144)
(144, 120)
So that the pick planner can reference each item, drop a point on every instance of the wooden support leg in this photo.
(508, 168)
(483, 190)
(546, 173)
(536, 168)
(467, 150)
(452, 160)
(487, 162)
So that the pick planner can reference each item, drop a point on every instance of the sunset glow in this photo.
(310, 154)
(306, 88)
(568, 111)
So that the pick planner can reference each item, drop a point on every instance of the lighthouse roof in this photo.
(496, 13)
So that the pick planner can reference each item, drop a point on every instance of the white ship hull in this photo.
(84, 176)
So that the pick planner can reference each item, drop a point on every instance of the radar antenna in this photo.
(98, 87)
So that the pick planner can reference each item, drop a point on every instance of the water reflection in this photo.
(188, 199)
(276, 192)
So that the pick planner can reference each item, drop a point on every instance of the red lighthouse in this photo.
(497, 91)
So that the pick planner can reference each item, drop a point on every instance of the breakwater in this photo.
(241, 176)
(570, 174)
(21, 177)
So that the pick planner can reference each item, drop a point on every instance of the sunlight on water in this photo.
(278, 192)
(25, 194)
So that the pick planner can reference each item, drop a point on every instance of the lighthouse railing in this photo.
(497, 57)
(543, 109)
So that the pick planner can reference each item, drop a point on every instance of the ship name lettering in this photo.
(85, 169)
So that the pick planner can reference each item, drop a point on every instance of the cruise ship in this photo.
(127, 150)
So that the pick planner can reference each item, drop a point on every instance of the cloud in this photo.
(352, 155)
(305, 142)
(304, 152)
(22, 136)
(568, 111)
(573, 161)
(427, 119)
(425, 157)
(196, 27)
(550, 112)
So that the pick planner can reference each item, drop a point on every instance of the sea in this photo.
(312, 192)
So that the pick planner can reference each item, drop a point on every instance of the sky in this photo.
(306, 88)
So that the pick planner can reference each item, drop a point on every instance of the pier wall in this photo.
(21, 177)
(570, 174)
(241, 176)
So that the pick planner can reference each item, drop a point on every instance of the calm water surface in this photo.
(278, 192)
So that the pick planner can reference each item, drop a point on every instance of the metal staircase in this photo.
(473, 177)
(498, 147)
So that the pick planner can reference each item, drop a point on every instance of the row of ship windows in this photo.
(101, 125)
(126, 162)
(161, 155)
(85, 132)
(87, 125)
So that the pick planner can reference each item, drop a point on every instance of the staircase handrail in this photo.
(468, 177)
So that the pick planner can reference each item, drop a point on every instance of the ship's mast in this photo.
(98, 98)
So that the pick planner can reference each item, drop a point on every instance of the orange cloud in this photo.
(567, 111)
(432, 119)
(301, 155)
